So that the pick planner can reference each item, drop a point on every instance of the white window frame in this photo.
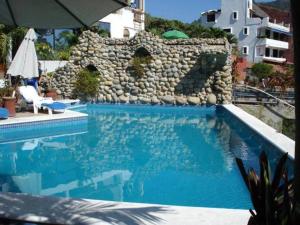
(237, 15)
(231, 30)
(247, 50)
(248, 31)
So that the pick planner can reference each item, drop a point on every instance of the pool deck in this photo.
(282, 142)
(29, 117)
(52, 210)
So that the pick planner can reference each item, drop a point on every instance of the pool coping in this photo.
(36, 119)
(54, 210)
(279, 140)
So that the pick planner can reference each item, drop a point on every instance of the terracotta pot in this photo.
(52, 94)
(10, 104)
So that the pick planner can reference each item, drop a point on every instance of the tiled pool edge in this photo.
(53, 210)
(68, 115)
(282, 142)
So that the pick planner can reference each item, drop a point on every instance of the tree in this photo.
(262, 70)
(10, 38)
(158, 26)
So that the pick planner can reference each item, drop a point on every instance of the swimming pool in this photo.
(149, 154)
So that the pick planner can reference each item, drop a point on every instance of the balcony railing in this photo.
(138, 16)
(273, 43)
(273, 24)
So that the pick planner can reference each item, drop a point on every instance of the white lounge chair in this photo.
(31, 97)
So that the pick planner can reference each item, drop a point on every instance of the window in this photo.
(268, 33)
(245, 50)
(211, 17)
(235, 15)
(267, 52)
(281, 54)
(126, 33)
(104, 26)
(276, 36)
(246, 30)
(228, 30)
(275, 53)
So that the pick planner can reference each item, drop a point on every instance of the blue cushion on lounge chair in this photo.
(55, 106)
(3, 113)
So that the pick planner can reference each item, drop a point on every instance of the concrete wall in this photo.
(191, 71)
(121, 20)
(49, 66)
(225, 20)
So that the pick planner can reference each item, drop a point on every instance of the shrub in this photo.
(138, 64)
(63, 54)
(4, 47)
(262, 70)
(272, 196)
(44, 51)
(87, 85)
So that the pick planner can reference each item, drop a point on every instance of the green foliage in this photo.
(138, 64)
(17, 36)
(4, 47)
(272, 199)
(103, 33)
(63, 44)
(44, 51)
(262, 70)
(10, 37)
(63, 54)
(87, 85)
(66, 39)
(158, 26)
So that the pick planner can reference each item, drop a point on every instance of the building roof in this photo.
(279, 15)
(259, 11)
(211, 11)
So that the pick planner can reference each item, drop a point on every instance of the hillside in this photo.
(279, 4)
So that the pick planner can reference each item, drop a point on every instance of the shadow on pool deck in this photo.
(51, 210)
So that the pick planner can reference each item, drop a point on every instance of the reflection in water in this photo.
(182, 156)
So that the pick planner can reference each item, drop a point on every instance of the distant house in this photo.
(260, 37)
(126, 22)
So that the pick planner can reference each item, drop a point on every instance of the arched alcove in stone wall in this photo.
(142, 52)
(92, 68)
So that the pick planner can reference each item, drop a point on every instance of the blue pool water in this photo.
(164, 155)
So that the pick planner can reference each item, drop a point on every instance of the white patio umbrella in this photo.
(50, 14)
(25, 62)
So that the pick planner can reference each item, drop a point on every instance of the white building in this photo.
(126, 22)
(260, 39)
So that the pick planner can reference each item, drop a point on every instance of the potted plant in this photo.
(49, 90)
(8, 100)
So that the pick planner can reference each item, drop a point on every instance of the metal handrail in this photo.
(266, 93)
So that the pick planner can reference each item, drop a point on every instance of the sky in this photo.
(186, 10)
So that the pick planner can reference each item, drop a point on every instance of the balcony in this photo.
(270, 59)
(271, 43)
(274, 25)
(274, 59)
(138, 16)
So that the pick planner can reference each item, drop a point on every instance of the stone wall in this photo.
(186, 71)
